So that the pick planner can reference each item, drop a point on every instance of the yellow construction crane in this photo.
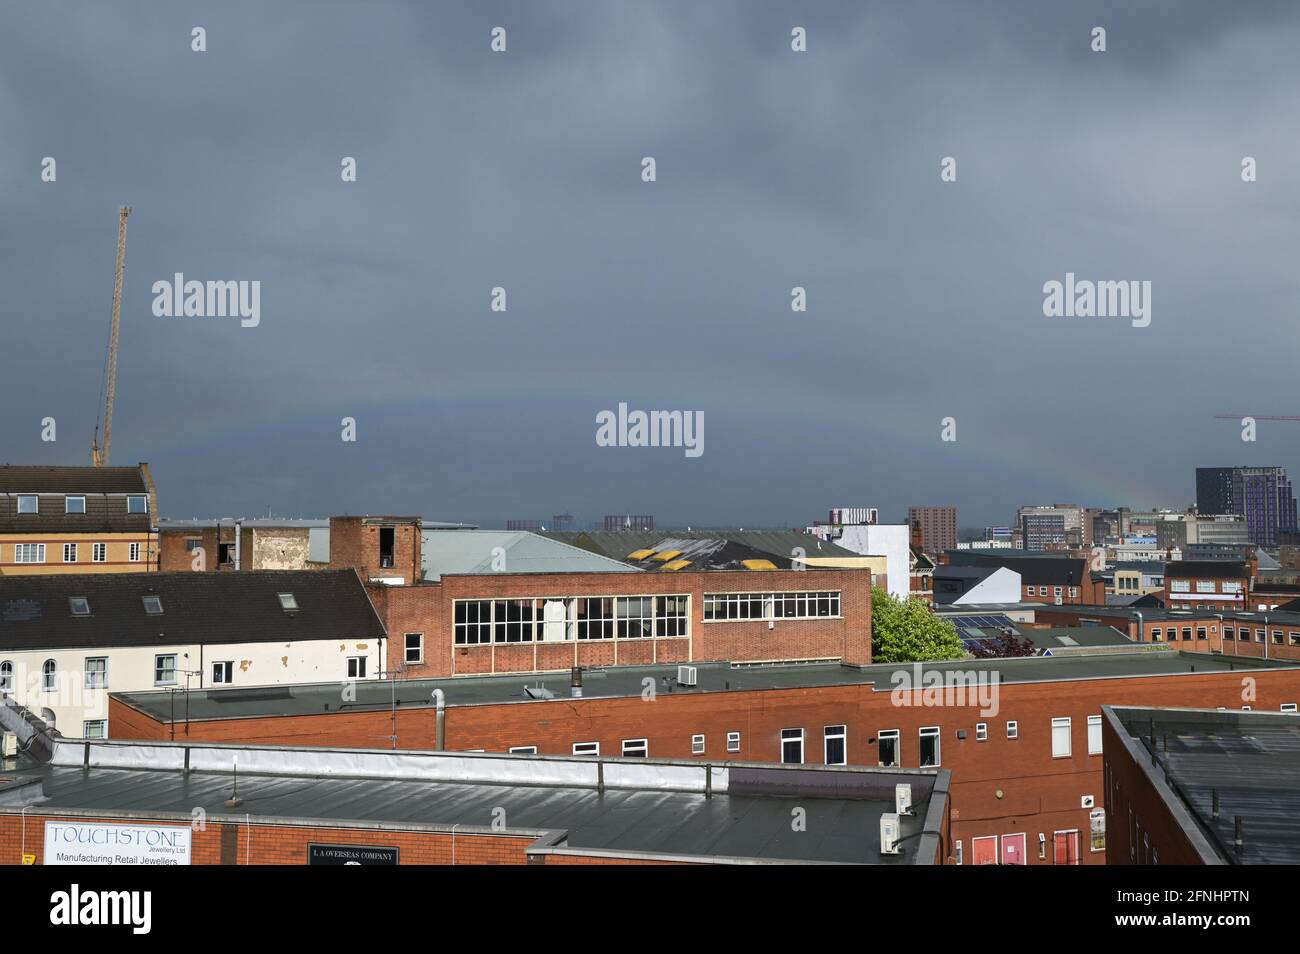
(98, 455)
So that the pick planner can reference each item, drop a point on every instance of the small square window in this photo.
(98, 729)
(74, 504)
(356, 667)
(223, 673)
(733, 741)
(288, 602)
(697, 745)
(29, 503)
(137, 503)
(79, 605)
(164, 670)
(152, 605)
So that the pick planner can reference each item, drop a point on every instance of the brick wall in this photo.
(999, 786)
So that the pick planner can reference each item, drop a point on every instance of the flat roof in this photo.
(1250, 759)
(624, 681)
(714, 812)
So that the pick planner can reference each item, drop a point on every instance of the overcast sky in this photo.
(821, 169)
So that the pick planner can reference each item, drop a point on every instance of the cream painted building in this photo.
(66, 642)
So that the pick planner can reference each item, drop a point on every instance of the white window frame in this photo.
(29, 553)
(6, 677)
(897, 737)
(103, 729)
(931, 732)
(831, 733)
(1094, 735)
(1013, 729)
(99, 553)
(1063, 722)
(791, 739)
(229, 665)
(133, 552)
(103, 673)
(49, 675)
(981, 731)
(419, 649)
(957, 856)
(356, 667)
(697, 745)
(36, 509)
(1288, 707)
(636, 749)
(67, 503)
(130, 500)
(158, 669)
(69, 553)
(733, 741)
(523, 750)
(580, 747)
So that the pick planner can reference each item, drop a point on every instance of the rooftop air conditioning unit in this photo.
(903, 798)
(686, 676)
(889, 834)
(9, 745)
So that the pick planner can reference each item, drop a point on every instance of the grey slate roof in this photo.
(208, 608)
(520, 551)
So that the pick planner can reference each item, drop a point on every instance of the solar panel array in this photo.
(969, 629)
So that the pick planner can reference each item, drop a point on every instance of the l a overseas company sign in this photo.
(95, 843)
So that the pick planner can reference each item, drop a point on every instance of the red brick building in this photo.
(1027, 766)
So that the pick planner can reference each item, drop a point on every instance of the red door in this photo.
(1065, 847)
(984, 851)
(1013, 850)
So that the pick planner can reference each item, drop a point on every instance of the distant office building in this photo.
(853, 516)
(1051, 528)
(1180, 531)
(1263, 495)
(562, 522)
(530, 526)
(938, 527)
(1214, 490)
(615, 522)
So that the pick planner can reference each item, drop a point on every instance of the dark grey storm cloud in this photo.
(775, 169)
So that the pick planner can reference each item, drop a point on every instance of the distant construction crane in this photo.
(99, 456)
(1258, 417)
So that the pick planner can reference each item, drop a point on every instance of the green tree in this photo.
(908, 631)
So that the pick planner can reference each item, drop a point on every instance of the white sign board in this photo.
(94, 843)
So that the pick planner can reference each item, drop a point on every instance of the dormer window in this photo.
(288, 603)
(29, 503)
(79, 605)
(74, 504)
(137, 503)
(153, 605)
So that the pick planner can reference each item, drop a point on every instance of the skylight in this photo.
(288, 602)
(79, 605)
(153, 605)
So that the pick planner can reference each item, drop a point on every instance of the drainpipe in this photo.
(440, 733)
(239, 533)
(1141, 627)
(1267, 636)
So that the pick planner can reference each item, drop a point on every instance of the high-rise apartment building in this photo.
(938, 527)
